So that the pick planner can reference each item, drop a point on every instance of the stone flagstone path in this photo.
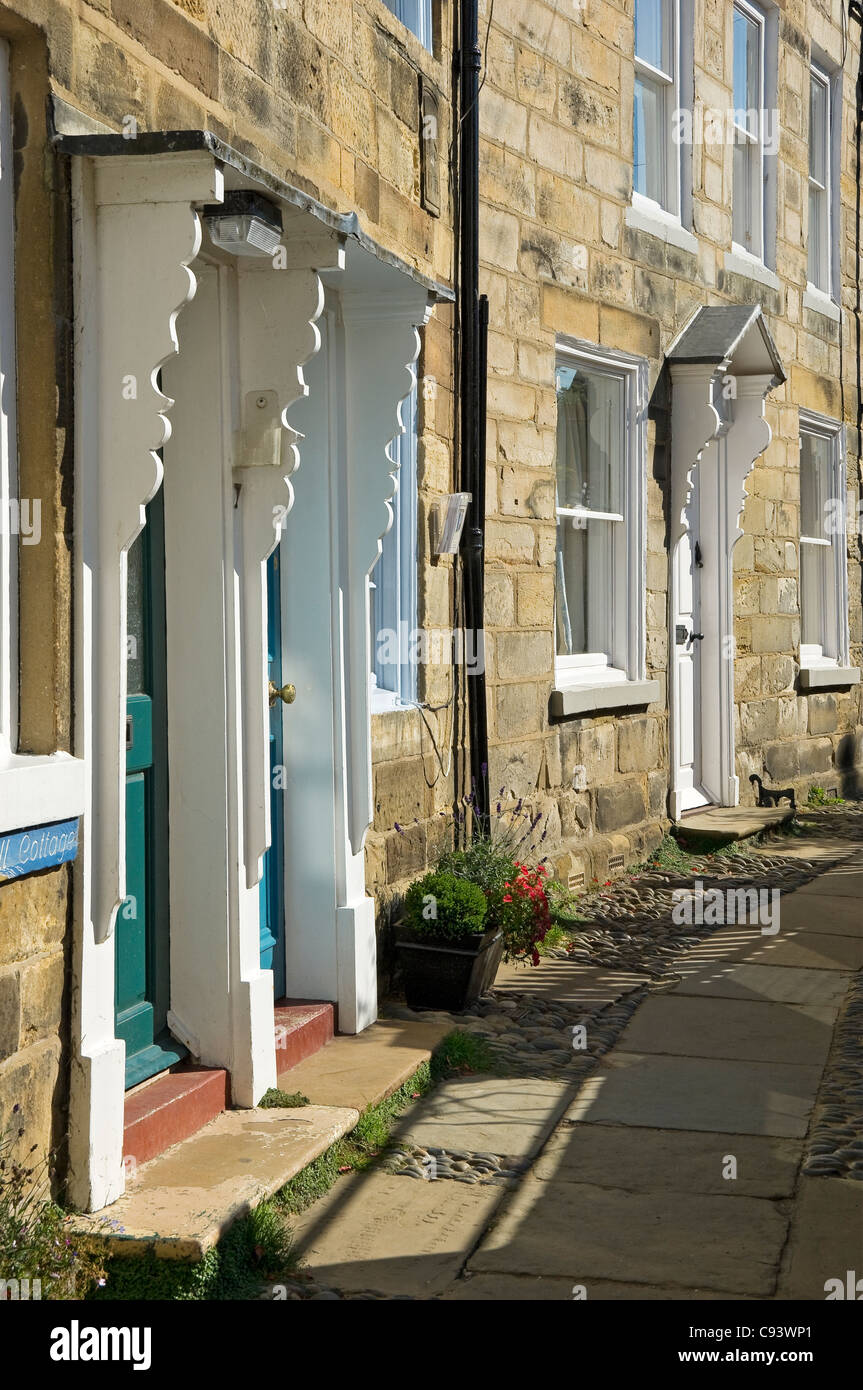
(707, 1144)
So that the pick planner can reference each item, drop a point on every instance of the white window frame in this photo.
(625, 660)
(822, 293)
(831, 653)
(416, 15)
(755, 142)
(821, 280)
(393, 599)
(670, 205)
(34, 788)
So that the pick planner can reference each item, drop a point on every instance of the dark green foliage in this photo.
(444, 905)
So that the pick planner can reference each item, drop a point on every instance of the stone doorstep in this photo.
(303, 1027)
(181, 1203)
(721, 824)
(170, 1108)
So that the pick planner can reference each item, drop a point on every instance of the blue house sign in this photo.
(41, 848)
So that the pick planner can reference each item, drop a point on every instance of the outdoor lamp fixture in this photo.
(448, 520)
(245, 224)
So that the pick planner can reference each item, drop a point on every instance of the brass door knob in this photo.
(287, 694)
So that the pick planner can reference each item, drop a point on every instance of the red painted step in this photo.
(303, 1027)
(170, 1109)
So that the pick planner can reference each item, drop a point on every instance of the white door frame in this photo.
(720, 434)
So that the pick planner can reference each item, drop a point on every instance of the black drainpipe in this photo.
(473, 313)
(855, 11)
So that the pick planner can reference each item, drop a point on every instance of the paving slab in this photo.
(512, 1288)
(845, 881)
(573, 986)
(585, 1232)
(824, 912)
(656, 1160)
(811, 950)
(180, 1203)
(511, 1116)
(394, 1235)
(699, 1093)
(810, 847)
(360, 1071)
(783, 984)
(826, 1239)
(738, 1029)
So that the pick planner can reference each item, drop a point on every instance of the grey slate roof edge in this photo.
(158, 142)
(715, 331)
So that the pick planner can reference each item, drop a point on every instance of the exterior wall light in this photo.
(245, 224)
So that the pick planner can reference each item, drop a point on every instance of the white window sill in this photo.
(572, 698)
(385, 701)
(739, 261)
(821, 675)
(816, 299)
(37, 790)
(646, 216)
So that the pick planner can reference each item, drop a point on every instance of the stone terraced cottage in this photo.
(237, 679)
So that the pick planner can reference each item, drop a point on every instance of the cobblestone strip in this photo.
(835, 1147)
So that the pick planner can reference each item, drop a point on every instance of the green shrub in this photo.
(441, 904)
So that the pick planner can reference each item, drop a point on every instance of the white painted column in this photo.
(135, 235)
(381, 344)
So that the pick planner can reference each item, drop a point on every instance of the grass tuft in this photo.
(274, 1099)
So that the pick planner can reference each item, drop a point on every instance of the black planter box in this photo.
(444, 974)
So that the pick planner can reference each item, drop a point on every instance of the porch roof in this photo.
(729, 332)
(239, 172)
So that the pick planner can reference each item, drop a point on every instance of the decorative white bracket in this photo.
(381, 345)
(147, 234)
(276, 328)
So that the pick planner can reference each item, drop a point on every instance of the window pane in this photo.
(590, 462)
(589, 439)
(747, 45)
(741, 196)
(815, 469)
(584, 587)
(814, 560)
(816, 270)
(650, 137)
(818, 124)
(394, 612)
(416, 15)
(652, 41)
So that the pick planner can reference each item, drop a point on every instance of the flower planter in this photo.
(441, 973)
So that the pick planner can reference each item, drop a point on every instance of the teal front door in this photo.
(272, 895)
(142, 939)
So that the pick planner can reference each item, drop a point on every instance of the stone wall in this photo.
(34, 912)
(560, 260)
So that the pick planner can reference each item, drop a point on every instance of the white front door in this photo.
(688, 637)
